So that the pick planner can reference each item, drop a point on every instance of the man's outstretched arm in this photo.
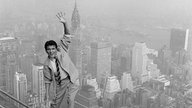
(61, 17)
(66, 39)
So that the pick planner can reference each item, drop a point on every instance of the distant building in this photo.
(26, 47)
(152, 69)
(75, 20)
(179, 40)
(27, 57)
(126, 59)
(120, 60)
(93, 82)
(139, 61)
(32, 101)
(160, 83)
(112, 86)
(108, 103)
(141, 96)
(86, 53)
(86, 98)
(20, 86)
(26, 61)
(181, 57)
(8, 63)
(100, 64)
(116, 54)
(189, 48)
(164, 54)
(75, 48)
(38, 81)
(126, 82)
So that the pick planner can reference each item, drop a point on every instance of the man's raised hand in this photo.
(61, 17)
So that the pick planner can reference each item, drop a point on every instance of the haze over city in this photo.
(118, 14)
(126, 53)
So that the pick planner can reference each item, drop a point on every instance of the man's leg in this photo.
(62, 95)
(72, 93)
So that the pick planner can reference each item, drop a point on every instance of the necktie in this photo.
(57, 74)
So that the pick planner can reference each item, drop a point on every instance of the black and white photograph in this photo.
(95, 53)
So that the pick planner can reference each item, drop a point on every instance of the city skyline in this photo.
(137, 60)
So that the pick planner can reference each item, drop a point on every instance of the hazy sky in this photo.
(116, 8)
(124, 14)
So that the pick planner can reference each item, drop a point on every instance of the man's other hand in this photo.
(61, 17)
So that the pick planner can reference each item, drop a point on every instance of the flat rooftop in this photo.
(7, 38)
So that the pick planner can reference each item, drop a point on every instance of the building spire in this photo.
(75, 20)
(75, 3)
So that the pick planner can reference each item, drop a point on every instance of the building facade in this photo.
(100, 64)
(140, 60)
(8, 63)
(20, 86)
(38, 81)
(179, 40)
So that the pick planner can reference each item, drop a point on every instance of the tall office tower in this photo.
(20, 86)
(100, 64)
(86, 98)
(164, 54)
(127, 54)
(112, 86)
(8, 63)
(189, 48)
(27, 57)
(38, 82)
(116, 53)
(75, 20)
(139, 62)
(75, 48)
(86, 52)
(121, 60)
(26, 62)
(126, 82)
(181, 57)
(179, 40)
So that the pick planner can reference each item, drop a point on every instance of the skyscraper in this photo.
(139, 61)
(112, 87)
(37, 81)
(179, 40)
(8, 63)
(20, 86)
(75, 20)
(75, 48)
(100, 64)
(93, 82)
(27, 57)
(189, 48)
(181, 57)
(126, 82)
(163, 55)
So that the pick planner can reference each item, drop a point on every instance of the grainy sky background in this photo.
(114, 8)
(153, 18)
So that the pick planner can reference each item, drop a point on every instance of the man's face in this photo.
(51, 51)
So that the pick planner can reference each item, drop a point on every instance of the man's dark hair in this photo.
(50, 43)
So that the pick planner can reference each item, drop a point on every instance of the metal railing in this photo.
(14, 99)
(1, 106)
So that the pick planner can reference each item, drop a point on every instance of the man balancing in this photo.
(60, 71)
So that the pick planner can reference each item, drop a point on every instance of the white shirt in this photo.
(63, 74)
